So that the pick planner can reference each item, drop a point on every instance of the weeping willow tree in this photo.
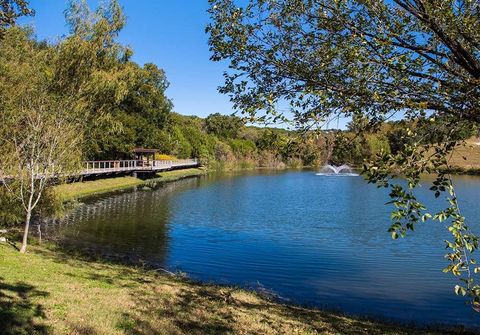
(416, 60)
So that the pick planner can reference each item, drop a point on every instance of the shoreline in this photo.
(71, 192)
(82, 189)
(77, 190)
(132, 299)
(461, 171)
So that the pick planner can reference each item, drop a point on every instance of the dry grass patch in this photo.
(467, 156)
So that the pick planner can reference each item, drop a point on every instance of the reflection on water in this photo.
(310, 239)
(130, 226)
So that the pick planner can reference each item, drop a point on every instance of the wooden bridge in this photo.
(144, 162)
(122, 166)
(95, 168)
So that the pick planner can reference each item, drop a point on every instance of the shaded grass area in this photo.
(49, 292)
(72, 191)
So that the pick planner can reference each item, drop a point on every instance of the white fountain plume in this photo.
(333, 170)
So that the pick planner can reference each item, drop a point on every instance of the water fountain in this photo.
(333, 170)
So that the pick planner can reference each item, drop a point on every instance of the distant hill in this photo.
(467, 156)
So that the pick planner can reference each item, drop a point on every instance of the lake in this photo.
(306, 239)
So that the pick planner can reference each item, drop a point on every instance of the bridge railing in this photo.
(93, 167)
(110, 166)
(185, 162)
(164, 164)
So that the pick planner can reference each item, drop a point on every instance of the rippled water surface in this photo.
(316, 240)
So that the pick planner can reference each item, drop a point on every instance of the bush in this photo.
(270, 159)
(223, 152)
(11, 212)
(349, 149)
(165, 157)
(242, 148)
(377, 144)
(181, 146)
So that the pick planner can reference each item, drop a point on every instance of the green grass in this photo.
(47, 291)
(174, 175)
(68, 192)
(86, 188)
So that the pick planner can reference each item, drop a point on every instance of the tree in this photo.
(118, 103)
(10, 11)
(417, 59)
(272, 140)
(367, 57)
(224, 126)
(115, 97)
(40, 147)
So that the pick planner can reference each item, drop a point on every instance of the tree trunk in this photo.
(39, 229)
(23, 249)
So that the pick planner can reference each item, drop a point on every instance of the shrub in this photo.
(242, 148)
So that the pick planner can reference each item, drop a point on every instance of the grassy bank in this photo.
(48, 292)
(68, 192)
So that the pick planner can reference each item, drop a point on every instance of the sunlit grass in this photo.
(467, 156)
(165, 157)
(49, 292)
(67, 192)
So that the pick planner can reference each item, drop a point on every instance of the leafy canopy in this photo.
(369, 57)
(122, 104)
(224, 126)
(10, 11)
(371, 60)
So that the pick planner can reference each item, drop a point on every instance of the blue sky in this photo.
(169, 33)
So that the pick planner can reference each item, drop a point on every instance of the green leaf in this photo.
(460, 290)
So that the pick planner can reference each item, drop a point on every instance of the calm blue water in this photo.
(309, 239)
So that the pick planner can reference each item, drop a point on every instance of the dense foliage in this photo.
(118, 105)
